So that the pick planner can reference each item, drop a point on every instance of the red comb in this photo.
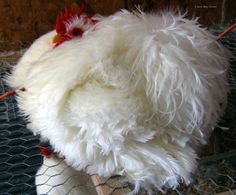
(65, 17)
(81, 10)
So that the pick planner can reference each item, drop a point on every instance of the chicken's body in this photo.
(134, 96)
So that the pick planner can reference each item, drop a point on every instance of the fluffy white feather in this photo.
(133, 97)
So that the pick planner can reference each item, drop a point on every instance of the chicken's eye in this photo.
(76, 32)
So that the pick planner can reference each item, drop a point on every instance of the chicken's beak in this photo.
(57, 38)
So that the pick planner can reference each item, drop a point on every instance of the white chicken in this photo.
(131, 94)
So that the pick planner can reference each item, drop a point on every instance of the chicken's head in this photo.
(72, 24)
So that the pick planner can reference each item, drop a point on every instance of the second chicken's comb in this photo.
(66, 17)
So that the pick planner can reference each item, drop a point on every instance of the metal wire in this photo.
(19, 156)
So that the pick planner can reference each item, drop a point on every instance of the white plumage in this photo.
(134, 96)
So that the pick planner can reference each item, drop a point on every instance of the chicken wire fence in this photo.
(20, 158)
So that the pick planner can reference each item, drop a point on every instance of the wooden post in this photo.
(109, 186)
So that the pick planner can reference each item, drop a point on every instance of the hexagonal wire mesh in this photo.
(20, 158)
